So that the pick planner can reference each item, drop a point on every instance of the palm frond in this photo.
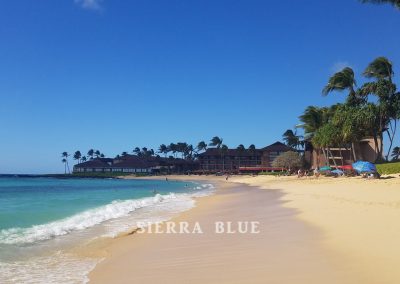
(340, 81)
(380, 68)
(395, 3)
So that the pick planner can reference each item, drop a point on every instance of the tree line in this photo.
(177, 150)
(77, 156)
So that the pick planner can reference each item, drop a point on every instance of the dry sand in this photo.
(311, 231)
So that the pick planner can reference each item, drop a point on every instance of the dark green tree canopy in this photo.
(395, 3)
(216, 142)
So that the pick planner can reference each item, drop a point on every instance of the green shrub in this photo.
(271, 173)
(388, 168)
(100, 174)
(142, 174)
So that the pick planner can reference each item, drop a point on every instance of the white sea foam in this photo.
(116, 217)
(92, 217)
(84, 220)
(58, 268)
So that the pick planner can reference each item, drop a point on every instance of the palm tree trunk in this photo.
(376, 146)
(381, 146)
(326, 158)
(353, 151)
(391, 136)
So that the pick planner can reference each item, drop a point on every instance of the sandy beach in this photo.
(311, 231)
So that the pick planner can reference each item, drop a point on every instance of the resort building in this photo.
(364, 150)
(136, 164)
(235, 160)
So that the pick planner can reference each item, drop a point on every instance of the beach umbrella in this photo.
(364, 167)
(326, 168)
(338, 172)
(346, 167)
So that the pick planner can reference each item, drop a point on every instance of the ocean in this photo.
(42, 220)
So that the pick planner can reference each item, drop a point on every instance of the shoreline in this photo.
(75, 243)
(286, 243)
(357, 217)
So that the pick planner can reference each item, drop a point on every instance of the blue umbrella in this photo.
(364, 167)
(338, 172)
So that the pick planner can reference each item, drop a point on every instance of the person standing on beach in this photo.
(316, 172)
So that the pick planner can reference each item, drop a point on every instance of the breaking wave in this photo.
(80, 221)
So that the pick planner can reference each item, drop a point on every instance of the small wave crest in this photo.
(204, 189)
(86, 219)
(96, 216)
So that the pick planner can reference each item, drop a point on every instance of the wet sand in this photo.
(289, 248)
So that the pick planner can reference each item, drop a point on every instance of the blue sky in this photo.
(116, 74)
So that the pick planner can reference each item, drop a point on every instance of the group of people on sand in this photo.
(371, 175)
(303, 173)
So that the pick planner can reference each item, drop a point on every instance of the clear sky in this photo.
(116, 74)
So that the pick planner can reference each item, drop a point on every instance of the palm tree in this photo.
(64, 161)
(136, 150)
(381, 71)
(173, 148)
(292, 139)
(143, 152)
(216, 142)
(202, 146)
(252, 149)
(181, 148)
(241, 149)
(65, 156)
(102, 155)
(396, 153)
(90, 154)
(344, 80)
(189, 152)
(124, 154)
(395, 3)
(97, 153)
(380, 68)
(78, 156)
(163, 149)
(84, 159)
(312, 119)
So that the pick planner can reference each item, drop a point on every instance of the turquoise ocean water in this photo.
(43, 219)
